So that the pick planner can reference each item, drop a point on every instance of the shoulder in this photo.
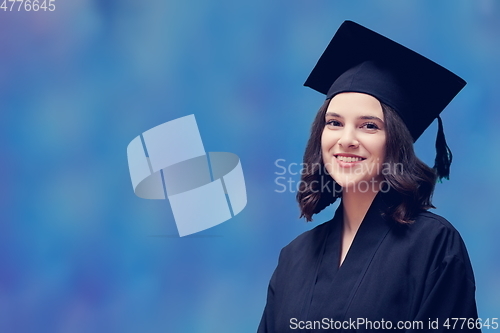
(430, 225)
(435, 236)
(435, 220)
(308, 242)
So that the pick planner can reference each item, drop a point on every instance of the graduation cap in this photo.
(361, 60)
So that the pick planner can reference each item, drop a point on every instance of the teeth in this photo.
(349, 159)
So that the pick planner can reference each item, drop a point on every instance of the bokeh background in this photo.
(79, 252)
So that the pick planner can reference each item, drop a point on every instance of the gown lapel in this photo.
(335, 287)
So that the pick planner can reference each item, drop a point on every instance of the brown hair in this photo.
(411, 188)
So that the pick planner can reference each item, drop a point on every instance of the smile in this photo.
(349, 159)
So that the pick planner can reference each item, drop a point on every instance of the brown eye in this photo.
(333, 122)
(370, 126)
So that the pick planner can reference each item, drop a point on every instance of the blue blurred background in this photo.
(79, 252)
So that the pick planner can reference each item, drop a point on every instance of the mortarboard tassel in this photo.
(443, 154)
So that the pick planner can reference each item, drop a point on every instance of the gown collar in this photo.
(341, 283)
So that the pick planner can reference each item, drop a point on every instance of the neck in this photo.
(355, 205)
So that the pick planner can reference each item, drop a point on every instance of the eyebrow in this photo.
(333, 114)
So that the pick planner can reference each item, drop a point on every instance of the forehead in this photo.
(355, 104)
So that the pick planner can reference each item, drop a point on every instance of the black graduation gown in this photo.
(419, 272)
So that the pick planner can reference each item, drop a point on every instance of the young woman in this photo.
(383, 262)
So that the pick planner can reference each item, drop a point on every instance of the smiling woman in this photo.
(383, 258)
(353, 140)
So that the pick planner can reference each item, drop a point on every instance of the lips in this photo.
(349, 158)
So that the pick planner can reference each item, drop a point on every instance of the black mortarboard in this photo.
(361, 60)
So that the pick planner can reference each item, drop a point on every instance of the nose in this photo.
(348, 138)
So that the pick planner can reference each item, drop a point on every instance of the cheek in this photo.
(324, 141)
(377, 148)
(382, 148)
(327, 142)
(326, 145)
(328, 139)
(379, 151)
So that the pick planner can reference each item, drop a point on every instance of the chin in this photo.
(348, 183)
(353, 184)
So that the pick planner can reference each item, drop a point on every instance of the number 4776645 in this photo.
(28, 5)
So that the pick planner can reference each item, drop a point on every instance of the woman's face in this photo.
(353, 141)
